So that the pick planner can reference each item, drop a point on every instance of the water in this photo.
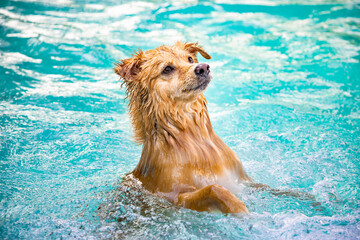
(285, 96)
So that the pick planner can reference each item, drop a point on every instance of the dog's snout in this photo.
(202, 69)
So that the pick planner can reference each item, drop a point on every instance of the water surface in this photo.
(285, 97)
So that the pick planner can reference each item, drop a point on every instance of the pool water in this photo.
(285, 96)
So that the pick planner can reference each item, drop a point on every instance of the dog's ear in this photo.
(195, 48)
(128, 68)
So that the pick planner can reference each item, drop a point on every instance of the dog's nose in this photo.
(202, 69)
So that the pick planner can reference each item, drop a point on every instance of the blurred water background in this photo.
(285, 96)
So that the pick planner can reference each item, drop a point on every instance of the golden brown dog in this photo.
(182, 159)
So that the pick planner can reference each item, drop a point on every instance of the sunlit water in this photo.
(285, 96)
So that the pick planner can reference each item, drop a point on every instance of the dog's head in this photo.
(166, 72)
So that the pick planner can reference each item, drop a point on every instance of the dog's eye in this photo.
(191, 60)
(168, 69)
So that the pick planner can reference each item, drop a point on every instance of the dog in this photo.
(182, 160)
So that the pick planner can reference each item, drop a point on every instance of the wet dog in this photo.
(182, 159)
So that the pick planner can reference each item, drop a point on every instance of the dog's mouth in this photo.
(202, 85)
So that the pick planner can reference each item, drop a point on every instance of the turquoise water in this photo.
(285, 96)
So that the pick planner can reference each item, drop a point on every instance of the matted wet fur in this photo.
(182, 160)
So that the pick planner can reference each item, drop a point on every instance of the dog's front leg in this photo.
(212, 197)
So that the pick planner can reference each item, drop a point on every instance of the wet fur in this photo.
(182, 159)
